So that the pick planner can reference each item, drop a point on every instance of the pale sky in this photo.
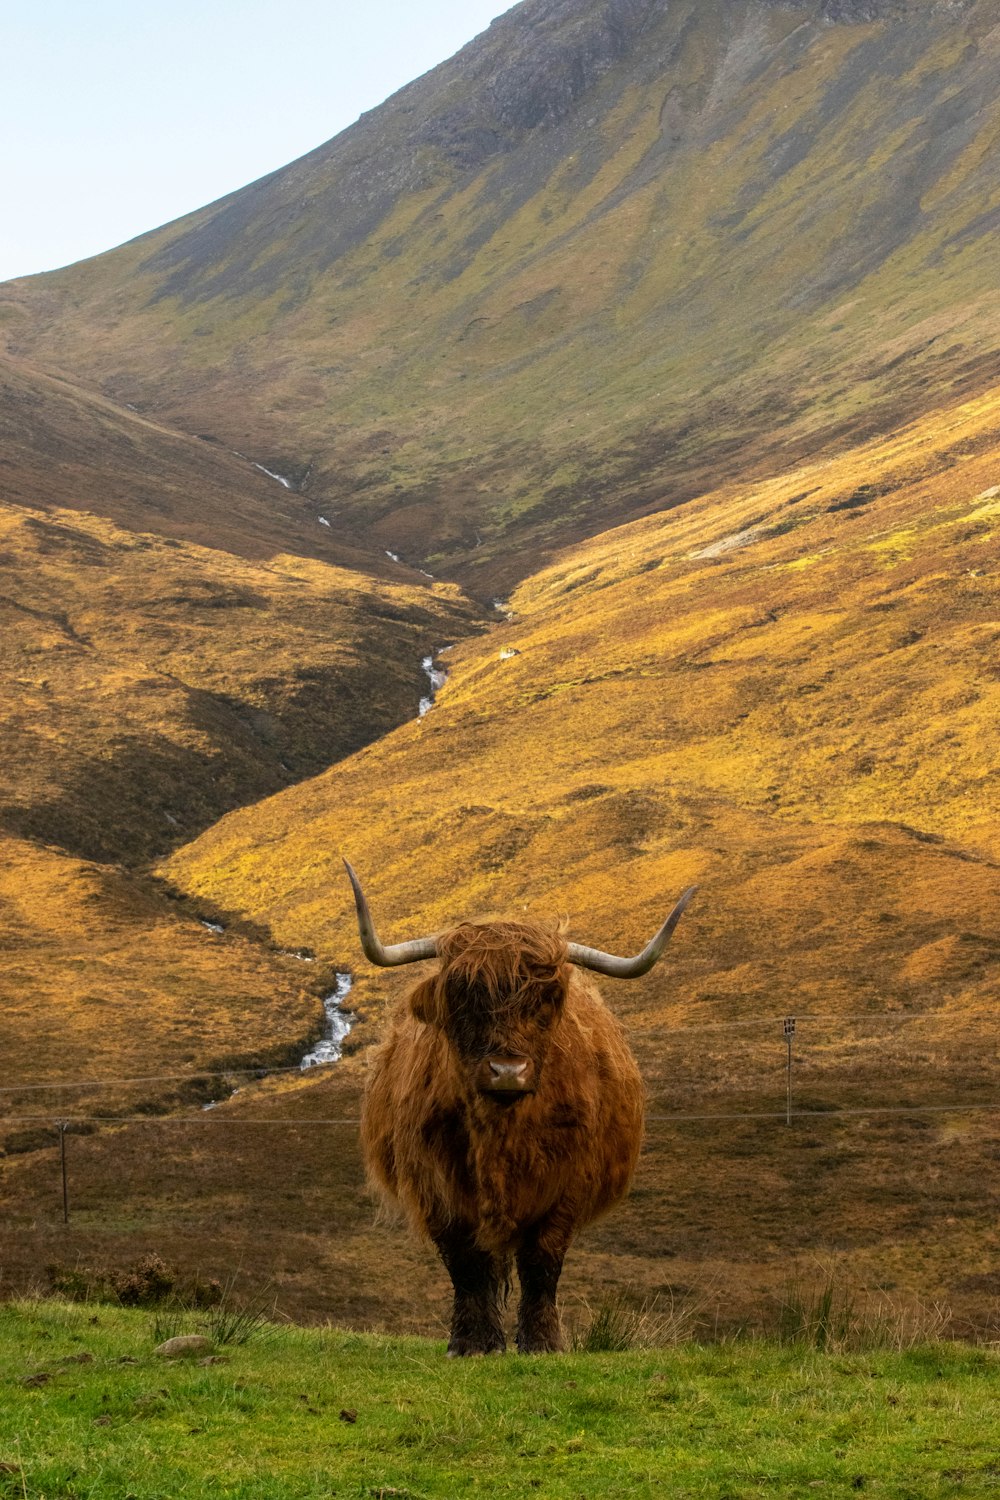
(117, 116)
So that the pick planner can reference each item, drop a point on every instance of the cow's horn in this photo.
(631, 968)
(375, 951)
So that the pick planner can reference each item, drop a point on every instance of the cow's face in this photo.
(497, 997)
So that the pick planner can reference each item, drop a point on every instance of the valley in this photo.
(656, 376)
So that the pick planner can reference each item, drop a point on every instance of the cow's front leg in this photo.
(539, 1266)
(480, 1283)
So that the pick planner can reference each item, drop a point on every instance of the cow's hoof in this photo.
(467, 1349)
(540, 1343)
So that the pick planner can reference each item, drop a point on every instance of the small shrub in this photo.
(146, 1282)
(143, 1284)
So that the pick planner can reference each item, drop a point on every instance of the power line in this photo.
(259, 1073)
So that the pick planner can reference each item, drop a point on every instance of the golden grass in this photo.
(104, 978)
(815, 746)
(148, 684)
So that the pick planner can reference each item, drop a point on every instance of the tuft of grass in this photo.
(236, 1320)
(231, 1320)
(622, 1321)
(835, 1316)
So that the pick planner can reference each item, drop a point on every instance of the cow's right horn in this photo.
(375, 951)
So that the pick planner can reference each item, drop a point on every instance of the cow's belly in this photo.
(504, 1180)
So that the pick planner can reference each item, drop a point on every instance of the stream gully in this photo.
(330, 1047)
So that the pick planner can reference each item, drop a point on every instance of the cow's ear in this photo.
(425, 1002)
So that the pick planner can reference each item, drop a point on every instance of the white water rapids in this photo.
(330, 1047)
(338, 1023)
(437, 677)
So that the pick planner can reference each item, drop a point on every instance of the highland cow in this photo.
(503, 1111)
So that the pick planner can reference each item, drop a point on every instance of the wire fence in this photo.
(834, 1112)
(741, 1031)
(681, 1034)
(824, 1057)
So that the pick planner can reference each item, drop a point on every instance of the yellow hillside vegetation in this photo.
(788, 695)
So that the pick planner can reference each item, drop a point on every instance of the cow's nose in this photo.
(509, 1074)
(506, 1075)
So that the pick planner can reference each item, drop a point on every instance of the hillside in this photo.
(787, 694)
(153, 684)
(68, 446)
(611, 254)
(159, 668)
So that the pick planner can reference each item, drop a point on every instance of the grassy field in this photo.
(88, 1411)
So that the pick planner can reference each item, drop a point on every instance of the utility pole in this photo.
(62, 1156)
(789, 1035)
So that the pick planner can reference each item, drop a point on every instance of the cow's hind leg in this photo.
(539, 1266)
(480, 1283)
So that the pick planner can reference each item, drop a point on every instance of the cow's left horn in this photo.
(631, 968)
(375, 951)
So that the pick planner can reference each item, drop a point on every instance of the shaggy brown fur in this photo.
(486, 1175)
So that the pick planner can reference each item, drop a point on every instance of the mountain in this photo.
(612, 253)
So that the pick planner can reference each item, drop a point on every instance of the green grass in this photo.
(273, 1420)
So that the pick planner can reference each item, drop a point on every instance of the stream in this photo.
(330, 1047)
(272, 475)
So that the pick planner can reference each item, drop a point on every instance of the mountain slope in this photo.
(150, 685)
(159, 668)
(785, 692)
(612, 252)
(65, 445)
